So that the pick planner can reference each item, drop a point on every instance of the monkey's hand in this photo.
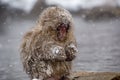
(59, 53)
(71, 49)
(53, 52)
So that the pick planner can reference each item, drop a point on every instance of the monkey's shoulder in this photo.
(30, 36)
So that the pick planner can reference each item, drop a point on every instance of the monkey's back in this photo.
(34, 67)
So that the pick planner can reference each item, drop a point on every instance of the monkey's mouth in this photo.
(62, 30)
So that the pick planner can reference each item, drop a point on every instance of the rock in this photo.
(96, 76)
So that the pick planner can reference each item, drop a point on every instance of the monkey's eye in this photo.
(63, 26)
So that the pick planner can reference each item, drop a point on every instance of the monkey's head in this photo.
(56, 22)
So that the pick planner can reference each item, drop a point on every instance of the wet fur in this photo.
(44, 34)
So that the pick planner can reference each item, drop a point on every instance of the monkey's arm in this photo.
(51, 51)
(71, 49)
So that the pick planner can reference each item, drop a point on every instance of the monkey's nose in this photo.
(66, 26)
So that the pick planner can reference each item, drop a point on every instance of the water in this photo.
(98, 44)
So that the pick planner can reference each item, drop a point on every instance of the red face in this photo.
(62, 30)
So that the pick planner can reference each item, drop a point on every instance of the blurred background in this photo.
(97, 30)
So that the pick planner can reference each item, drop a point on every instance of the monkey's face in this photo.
(57, 23)
(62, 31)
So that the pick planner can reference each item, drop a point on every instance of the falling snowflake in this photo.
(1, 46)
(35, 79)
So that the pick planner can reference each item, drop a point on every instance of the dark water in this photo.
(98, 44)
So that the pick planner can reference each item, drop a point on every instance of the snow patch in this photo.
(56, 50)
(49, 70)
(73, 47)
(35, 79)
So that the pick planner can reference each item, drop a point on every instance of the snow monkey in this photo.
(48, 49)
